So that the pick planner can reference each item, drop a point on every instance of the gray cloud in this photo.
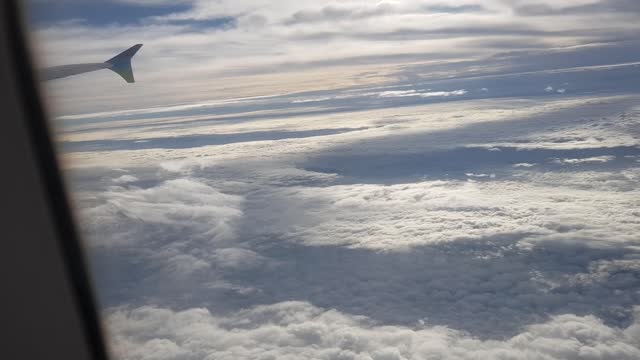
(599, 7)
(513, 29)
(334, 13)
(337, 13)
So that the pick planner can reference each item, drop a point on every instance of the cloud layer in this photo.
(298, 330)
(424, 215)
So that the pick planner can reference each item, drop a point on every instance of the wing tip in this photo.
(121, 63)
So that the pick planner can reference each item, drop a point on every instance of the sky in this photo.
(199, 50)
(355, 179)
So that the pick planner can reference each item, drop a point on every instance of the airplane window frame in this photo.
(51, 305)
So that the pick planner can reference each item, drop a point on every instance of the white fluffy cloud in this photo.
(125, 214)
(398, 217)
(299, 330)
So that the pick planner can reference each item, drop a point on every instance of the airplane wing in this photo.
(120, 64)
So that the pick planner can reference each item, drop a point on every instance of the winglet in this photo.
(121, 63)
